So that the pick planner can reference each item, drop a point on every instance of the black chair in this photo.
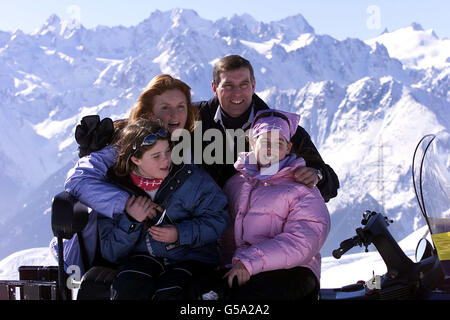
(70, 217)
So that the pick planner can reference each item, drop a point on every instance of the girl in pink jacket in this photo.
(279, 224)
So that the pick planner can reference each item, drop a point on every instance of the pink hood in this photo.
(278, 223)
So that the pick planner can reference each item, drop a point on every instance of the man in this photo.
(234, 106)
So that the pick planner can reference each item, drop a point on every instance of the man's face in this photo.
(235, 91)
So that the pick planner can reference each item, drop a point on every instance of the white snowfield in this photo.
(362, 266)
(335, 273)
(415, 47)
(30, 257)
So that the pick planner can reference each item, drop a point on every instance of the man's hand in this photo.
(240, 271)
(307, 176)
(139, 208)
(165, 233)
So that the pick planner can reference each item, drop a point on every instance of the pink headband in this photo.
(268, 120)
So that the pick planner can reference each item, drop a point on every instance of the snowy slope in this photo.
(365, 105)
(30, 226)
(351, 268)
(416, 47)
(29, 257)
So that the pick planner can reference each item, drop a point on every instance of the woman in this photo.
(166, 99)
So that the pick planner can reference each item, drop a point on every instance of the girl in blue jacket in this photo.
(165, 98)
(169, 229)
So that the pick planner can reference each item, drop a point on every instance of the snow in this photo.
(364, 104)
(415, 47)
(302, 41)
(261, 47)
(351, 268)
(29, 257)
(265, 47)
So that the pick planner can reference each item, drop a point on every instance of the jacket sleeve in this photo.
(118, 236)
(304, 233)
(86, 181)
(210, 216)
(304, 147)
(227, 244)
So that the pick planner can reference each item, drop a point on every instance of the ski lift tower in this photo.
(381, 180)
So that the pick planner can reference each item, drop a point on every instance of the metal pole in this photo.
(61, 275)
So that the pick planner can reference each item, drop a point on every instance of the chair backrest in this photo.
(69, 216)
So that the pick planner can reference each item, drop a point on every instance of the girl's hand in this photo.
(240, 271)
(165, 233)
(141, 208)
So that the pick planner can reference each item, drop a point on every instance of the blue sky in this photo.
(364, 19)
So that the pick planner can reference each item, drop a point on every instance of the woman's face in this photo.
(154, 163)
(270, 147)
(171, 108)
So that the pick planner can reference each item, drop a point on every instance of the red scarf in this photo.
(145, 183)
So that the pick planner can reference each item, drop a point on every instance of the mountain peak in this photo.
(52, 24)
(385, 31)
(417, 26)
(244, 19)
(55, 25)
(433, 34)
(53, 19)
(181, 12)
(298, 22)
(243, 16)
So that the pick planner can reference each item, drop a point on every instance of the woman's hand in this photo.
(165, 233)
(240, 271)
(141, 208)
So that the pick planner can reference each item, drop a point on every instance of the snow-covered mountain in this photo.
(365, 104)
(416, 47)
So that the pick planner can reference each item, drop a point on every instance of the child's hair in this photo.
(130, 140)
(118, 126)
(157, 86)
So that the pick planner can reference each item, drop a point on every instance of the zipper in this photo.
(165, 185)
(167, 182)
(248, 206)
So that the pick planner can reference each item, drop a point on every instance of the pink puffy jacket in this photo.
(278, 223)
